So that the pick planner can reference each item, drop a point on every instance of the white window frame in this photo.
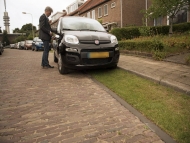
(88, 14)
(105, 13)
(93, 14)
(99, 16)
(112, 4)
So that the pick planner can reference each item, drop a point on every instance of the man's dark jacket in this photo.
(45, 28)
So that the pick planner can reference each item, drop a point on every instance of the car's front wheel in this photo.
(55, 58)
(62, 69)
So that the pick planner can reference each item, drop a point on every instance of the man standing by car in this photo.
(45, 34)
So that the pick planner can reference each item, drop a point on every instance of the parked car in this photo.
(21, 45)
(1, 48)
(37, 44)
(18, 44)
(12, 46)
(15, 45)
(28, 44)
(83, 43)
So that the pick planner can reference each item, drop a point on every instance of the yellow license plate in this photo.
(98, 55)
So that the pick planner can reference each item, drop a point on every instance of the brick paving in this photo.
(40, 105)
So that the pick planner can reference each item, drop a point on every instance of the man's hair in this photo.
(48, 8)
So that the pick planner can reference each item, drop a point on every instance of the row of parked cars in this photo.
(35, 44)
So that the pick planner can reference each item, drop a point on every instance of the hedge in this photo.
(126, 33)
(134, 32)
(142, 46)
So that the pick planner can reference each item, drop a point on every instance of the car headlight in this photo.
(71, 39)
(114, 40)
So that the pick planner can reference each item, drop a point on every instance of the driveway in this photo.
(40, 105)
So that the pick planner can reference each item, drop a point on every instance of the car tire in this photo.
(62, 69)
(55, 58)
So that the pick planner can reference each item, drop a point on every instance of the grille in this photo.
(96, 61)
(93, 41)
(97, 50)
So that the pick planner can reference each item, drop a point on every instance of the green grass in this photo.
(168, 109)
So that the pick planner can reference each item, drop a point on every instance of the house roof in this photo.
(88, 5)
(82, 6)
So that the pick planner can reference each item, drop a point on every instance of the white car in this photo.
(18, 45)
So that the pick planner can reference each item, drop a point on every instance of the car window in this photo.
(79, 23)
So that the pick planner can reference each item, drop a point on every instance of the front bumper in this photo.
(88, 58)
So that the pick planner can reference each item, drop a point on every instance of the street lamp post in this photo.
(32, 23)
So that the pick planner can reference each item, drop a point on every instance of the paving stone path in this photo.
(40, 105)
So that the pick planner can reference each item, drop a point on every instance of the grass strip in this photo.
(168, 109)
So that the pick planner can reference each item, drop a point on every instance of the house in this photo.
(113, 13)
(120, 13)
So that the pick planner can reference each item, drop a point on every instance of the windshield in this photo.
(79, 23)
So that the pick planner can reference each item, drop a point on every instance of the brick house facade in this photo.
(119, 13)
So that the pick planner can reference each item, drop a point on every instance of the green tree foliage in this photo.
(27, 29)
(166, 8)
(5, 38)
(20, 38)
(16, 30)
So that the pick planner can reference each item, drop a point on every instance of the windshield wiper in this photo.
(87, 30)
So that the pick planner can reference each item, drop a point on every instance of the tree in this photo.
(5, 38)
(16, 30)
(27, 28)
(166, 8)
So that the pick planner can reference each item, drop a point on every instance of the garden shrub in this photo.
(182, 27)
(126, 33)
(142, 46)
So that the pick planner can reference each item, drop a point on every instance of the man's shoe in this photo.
(50, 66)
(45, 67)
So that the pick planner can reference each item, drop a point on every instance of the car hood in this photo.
(89, 35)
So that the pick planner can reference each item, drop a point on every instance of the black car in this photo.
(1, 48)
(83, 43)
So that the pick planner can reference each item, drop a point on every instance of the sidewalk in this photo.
(170, 74)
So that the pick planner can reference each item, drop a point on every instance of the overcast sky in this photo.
(35, 7)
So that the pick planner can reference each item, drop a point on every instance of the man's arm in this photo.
(42, 25)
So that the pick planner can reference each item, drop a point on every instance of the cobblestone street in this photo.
(41, 105)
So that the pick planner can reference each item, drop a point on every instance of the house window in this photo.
(88, 14)
(105, 10)
(99, 12)
(181, 17)
(113, 5)
(158, 21)
(93, 14)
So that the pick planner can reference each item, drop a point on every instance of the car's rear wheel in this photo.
(55, 58)
(62, 69)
